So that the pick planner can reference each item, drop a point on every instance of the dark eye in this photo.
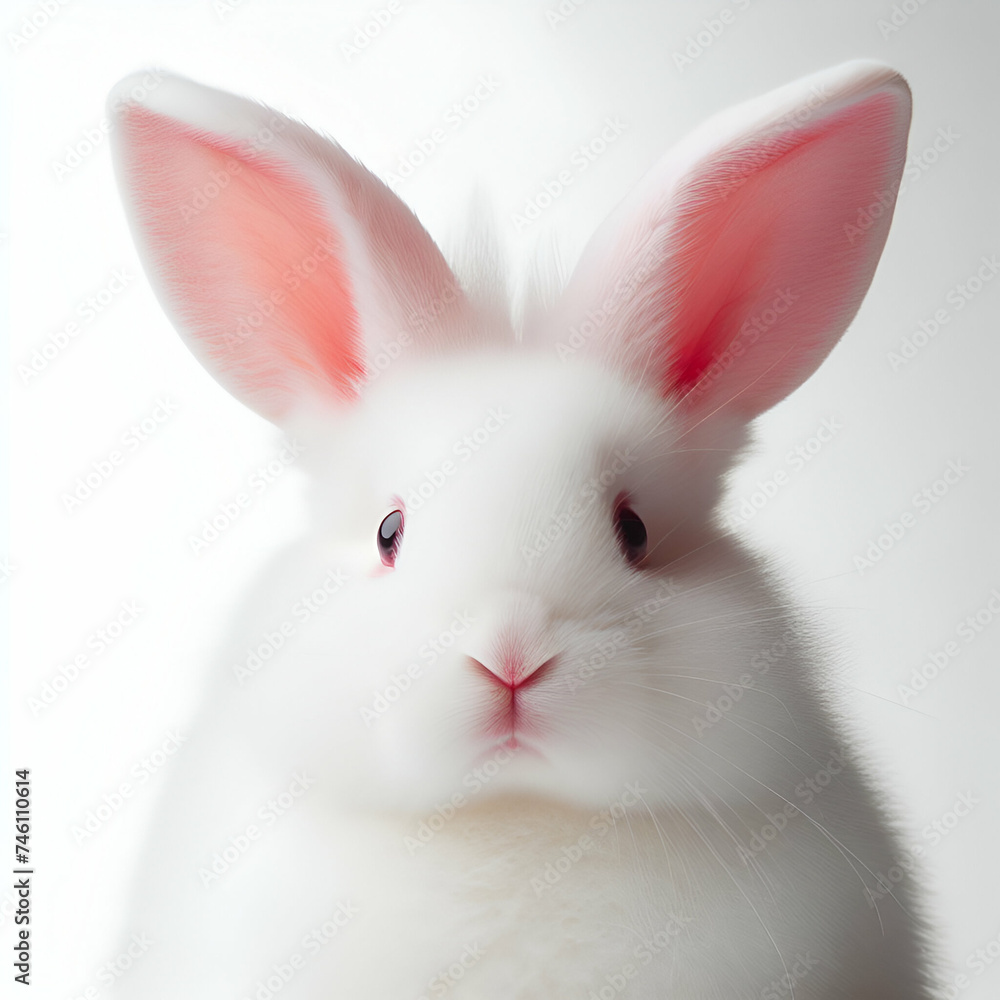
(390, 534)
(631, 533)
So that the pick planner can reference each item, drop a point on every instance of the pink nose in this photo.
(511, 672)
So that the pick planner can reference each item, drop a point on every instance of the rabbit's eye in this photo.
(390, 534)
(631, 533)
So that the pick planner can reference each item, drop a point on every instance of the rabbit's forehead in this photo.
(533, 408)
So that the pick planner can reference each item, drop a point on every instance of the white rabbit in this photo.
(517, 718)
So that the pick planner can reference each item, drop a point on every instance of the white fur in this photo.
(618, 844)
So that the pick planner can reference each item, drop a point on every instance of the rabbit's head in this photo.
(531, 593)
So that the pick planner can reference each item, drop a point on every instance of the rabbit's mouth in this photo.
(510, 712)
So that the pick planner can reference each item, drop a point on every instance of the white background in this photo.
(64, 237)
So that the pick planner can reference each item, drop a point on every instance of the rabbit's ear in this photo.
(286, 265)
(733, 268)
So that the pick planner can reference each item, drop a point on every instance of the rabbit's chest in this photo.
(525, 910)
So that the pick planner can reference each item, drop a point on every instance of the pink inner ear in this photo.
(777, 235)
(247, 260)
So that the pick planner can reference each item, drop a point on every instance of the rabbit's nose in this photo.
(512, 639)
(512, 670)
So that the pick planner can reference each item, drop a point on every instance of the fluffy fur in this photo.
(516, 764)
